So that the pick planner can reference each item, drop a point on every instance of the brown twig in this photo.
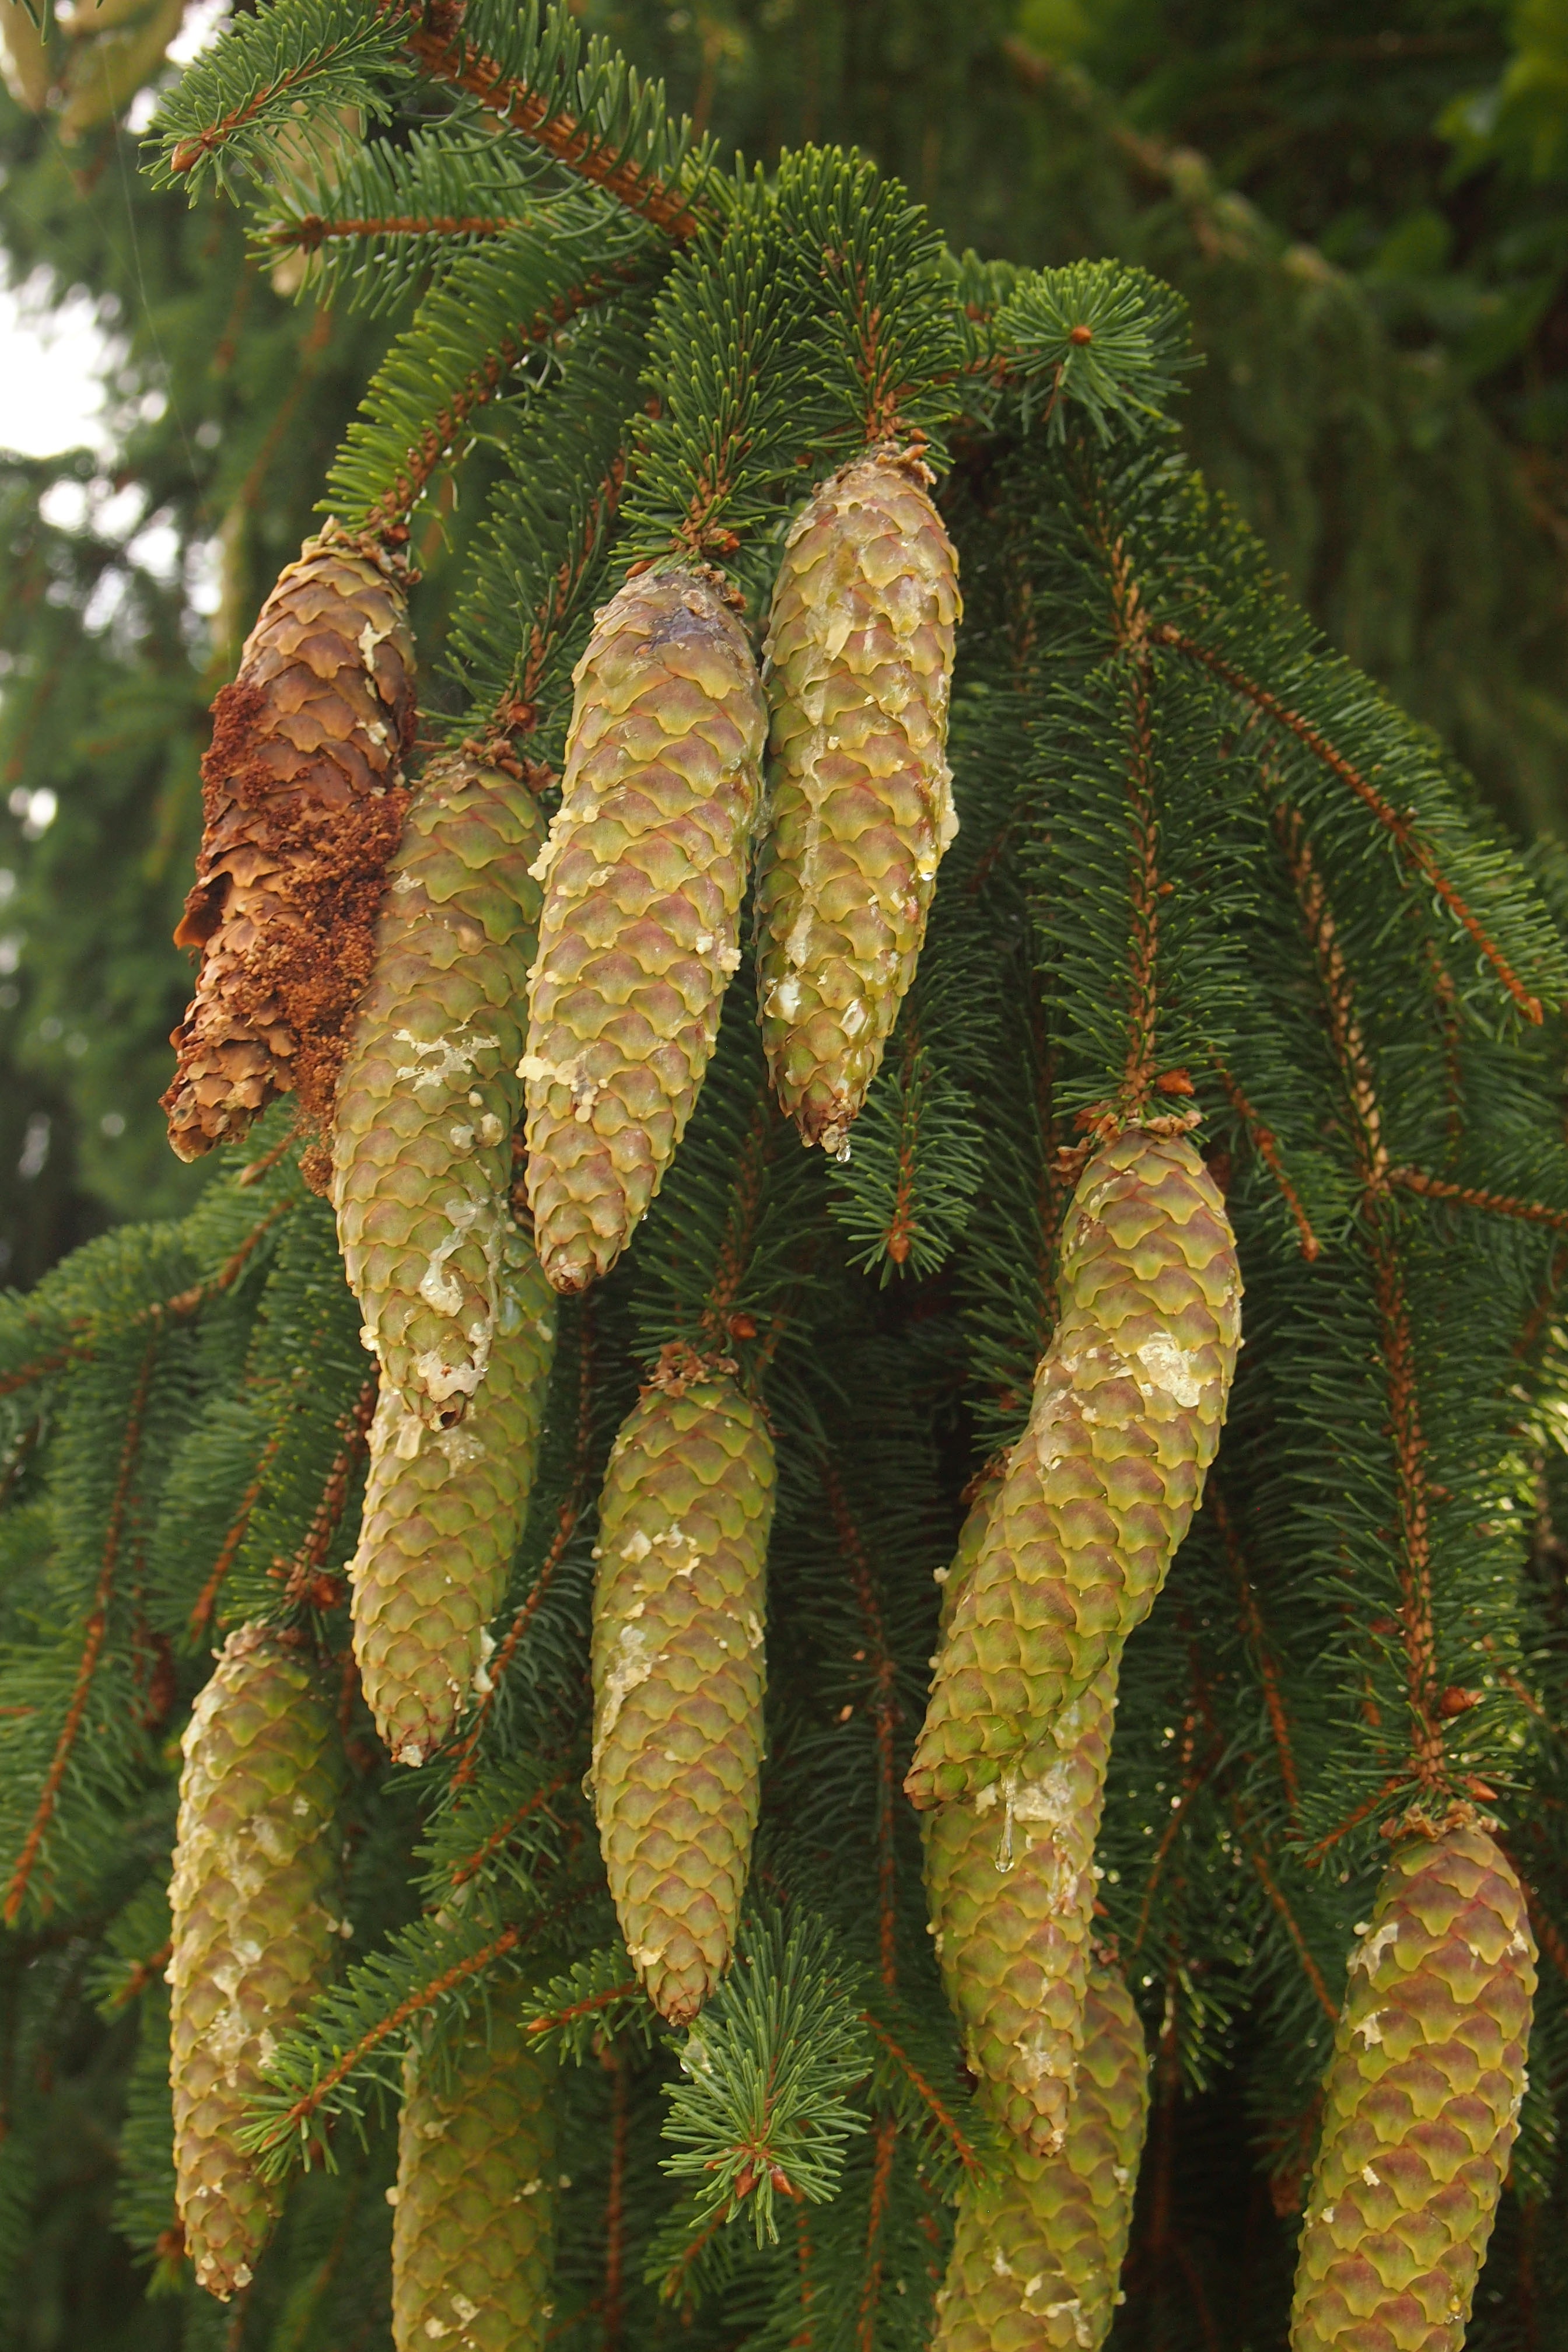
(1496, 1204)
(567, 1516)
(865, 2332)
(1266, 1144)
(94, 1634)
(480, 386)
(885, 1712)
(413, 2005)
(960, 2146)
(1252, 1620)
(560, 134)
(1416, 851)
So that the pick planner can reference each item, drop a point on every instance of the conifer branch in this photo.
(293, 2122)
(138, 1978)
(206, 1600)
(876, 2220)
(459, 1873)
(95, 1633)
(481, 385)
(311, 231)
(86, 1331)
(302, 1578)
(610, 2302)
(1262, 1649)
(573, 142)
(567, 1516)
(1415, 1531)
(1469, 1196)
(1339, 1001)
(942, 2115)
(517, 713)
(742, 1214)
(1416, 852)
(1391, 1787)
(556, 2020)
(1266, 1146)
(885, 1712)
(1195, 1780)
(1272, 1889)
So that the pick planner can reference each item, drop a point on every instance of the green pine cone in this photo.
(474, 2206)
(1039, 2245)
(256, 1928)
(1129, 1402)
(1420, 2103)
(1011, 1885)
(429, 1093)
(679, 1674)
(443, 1512)
(859, 663)
(644, 871)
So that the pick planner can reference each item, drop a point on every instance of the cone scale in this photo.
(303, 804)
(429, 1093)
(645, 870)
(1098, 1492)
(1038, 2248)
(444, 1509)
(1421, 2102)
(256, 1927)
(474, 2205)
(679, 1674)
(860, 664)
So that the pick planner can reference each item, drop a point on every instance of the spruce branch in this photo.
(882, 1704)
(762, 2111)
(1098, 336)
(536, 74)
(1471, 1196)
(284, 73)
(594, 2004)
(94, 1634)
(1412, 847)
(1267, 1145)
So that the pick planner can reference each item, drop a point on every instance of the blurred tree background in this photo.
(1366, 205)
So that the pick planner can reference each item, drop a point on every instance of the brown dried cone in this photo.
(301, 811)
(255, 1926)
(644, 871)
(474, 2207)
(1100, 1490)
(679, 1671)
(1420, 2103)
(1039, 2245)
(443, 1512)
(430, 1092)
(858, 665)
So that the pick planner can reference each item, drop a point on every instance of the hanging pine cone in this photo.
(678, 1672)
(645, 868)
(443, 1512)
(302, 808)
(1100, 1490)
(1011, 1882)
(474, 2206)
(1420, 2103)
(430, 1092)
(255, 1926)
(1039, 2245)
(859, 663)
